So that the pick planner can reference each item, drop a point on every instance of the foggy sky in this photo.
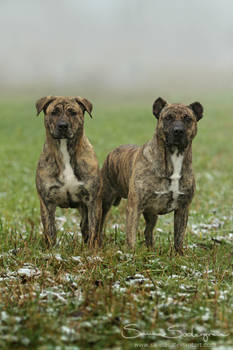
(115, 44)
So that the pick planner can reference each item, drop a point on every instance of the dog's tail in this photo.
(117, 201)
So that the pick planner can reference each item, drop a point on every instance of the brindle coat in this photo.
(157, 178)
(68, 174)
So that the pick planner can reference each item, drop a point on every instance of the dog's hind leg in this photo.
(106, 205)
(109, 198)
(132, 220)
(150, 219)
(94, 221)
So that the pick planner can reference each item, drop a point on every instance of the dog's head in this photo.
(64, 116)
(177, 123)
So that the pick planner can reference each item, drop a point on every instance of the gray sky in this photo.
(115, 45)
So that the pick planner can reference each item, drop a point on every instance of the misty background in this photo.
(115, 47)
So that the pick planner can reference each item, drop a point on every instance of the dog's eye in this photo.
(55, 111)
(72, 111)
(169, 118)
(187, 119)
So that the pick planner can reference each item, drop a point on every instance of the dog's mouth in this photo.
(179, 141)
(59, 137)
(62, 135)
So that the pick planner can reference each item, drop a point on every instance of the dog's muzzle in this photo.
(177, 136)
(62, 130)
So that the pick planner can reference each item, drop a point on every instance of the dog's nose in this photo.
(63, 126)
(178, 130)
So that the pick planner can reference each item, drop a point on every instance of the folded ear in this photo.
(197, 109)
(158, 105)
(43, 103)
(85, 104)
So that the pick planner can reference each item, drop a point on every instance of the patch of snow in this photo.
(28, 270)
(116, 226)
(77, 259)
(58, 257)
(94, 258)
(50, 293)
(67, 330)
(4, 316)
(117, 287)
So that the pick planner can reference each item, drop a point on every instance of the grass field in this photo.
(71, 298)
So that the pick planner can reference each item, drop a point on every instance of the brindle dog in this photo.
(157, 178)
(68, 174)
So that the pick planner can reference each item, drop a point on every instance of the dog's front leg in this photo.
(180, 224)
(132, 219)
(48, 220)
(84, 222)
(94, 221)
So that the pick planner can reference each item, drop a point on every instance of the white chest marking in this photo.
(177, 161)
(70, 180)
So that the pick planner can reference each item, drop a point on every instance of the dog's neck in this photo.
(163, 155)
(74, 145)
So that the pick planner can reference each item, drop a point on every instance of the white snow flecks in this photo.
(94, 258)
(28, 270)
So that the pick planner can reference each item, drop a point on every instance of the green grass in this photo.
(75, 298)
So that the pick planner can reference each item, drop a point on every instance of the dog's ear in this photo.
(43, 103)
(84, 104)
(158, 105)
(197, 109)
